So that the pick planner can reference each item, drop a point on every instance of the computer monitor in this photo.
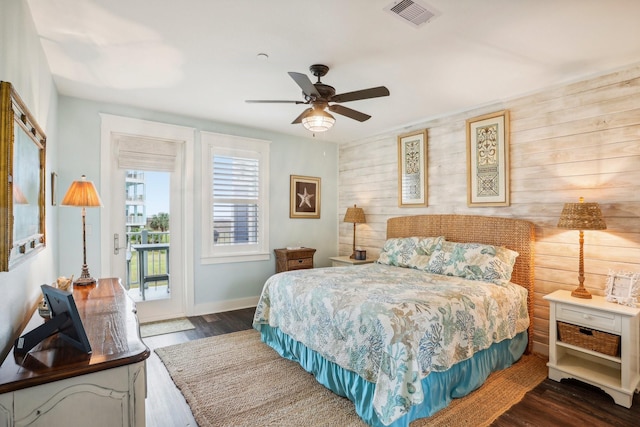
(65, 321)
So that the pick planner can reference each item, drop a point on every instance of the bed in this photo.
(404, 336)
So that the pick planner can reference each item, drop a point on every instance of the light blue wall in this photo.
(217, 286)
(23, 64)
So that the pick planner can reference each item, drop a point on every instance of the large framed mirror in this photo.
(22, 174)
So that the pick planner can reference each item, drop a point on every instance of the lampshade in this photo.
(318, 121)
(581, 216)
(355, 215)
(82, 193)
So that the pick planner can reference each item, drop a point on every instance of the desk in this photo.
(143, 276)
(57, 385)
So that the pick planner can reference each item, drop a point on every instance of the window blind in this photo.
(236, 197)
(137, 153)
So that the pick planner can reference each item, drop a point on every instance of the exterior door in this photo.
(144, 236)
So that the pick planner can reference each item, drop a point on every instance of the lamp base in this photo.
(85, 281)
(85, 278)
(581, 292)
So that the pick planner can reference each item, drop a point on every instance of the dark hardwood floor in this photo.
(569, 403)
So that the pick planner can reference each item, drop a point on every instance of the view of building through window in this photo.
(148, 234)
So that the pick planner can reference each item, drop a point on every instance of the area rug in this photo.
(165, 327)
(236, 380)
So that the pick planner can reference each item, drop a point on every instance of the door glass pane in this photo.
(148, 235)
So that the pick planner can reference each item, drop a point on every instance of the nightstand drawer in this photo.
(584, 316)
(294, 259)
(297, 264)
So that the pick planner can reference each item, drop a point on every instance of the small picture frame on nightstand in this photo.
(623, 287)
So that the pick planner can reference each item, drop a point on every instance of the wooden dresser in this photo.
(57, 385)
(294, 259)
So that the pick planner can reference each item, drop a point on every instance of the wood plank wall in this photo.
(581, 139)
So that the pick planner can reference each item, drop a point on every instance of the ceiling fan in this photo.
(319, 95)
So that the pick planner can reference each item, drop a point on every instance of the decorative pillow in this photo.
(474, 261)
(400, 251)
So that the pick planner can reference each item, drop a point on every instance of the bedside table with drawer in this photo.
(294, 259)
(595, 341)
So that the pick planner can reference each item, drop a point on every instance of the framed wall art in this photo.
(623, 287)
(304, 197)
(488, 160)
(412, 169)
(22, 169)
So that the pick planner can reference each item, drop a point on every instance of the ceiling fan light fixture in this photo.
(318, 121)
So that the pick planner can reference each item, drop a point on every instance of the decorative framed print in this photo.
(412, 169)
(488, 160)
(304, 197)
(623, 287)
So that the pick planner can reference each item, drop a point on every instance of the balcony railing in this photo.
(147, 260)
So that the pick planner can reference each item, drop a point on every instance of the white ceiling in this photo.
(199, 58)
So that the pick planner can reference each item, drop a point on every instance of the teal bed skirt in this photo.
(440, 387)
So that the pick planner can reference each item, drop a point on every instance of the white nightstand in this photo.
(619, 375)
(345, 261)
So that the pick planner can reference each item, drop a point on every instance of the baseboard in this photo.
(221, 306)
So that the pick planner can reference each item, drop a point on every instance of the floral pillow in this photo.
(474, 261)
(400, 251)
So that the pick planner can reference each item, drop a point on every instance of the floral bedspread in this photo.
(391, 325)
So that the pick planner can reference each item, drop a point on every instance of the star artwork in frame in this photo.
(304, 197)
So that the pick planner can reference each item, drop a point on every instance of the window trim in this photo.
(228, 145)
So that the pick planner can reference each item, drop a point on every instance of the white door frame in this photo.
(124, 125)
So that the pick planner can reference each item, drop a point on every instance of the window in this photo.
(235, 175)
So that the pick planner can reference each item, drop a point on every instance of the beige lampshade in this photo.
(82, 193)
(355, 215)
(581, 216)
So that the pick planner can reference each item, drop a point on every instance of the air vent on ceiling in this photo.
(412, 12)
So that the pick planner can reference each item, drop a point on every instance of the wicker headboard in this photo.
(514, 234)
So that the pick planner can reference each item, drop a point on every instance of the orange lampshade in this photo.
(83, 194)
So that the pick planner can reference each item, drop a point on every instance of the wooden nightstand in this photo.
(344, 261)
(294, 259)
(618, 375)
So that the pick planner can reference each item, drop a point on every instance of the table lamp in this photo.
(83, 194)
(581, 216)
(356, 216)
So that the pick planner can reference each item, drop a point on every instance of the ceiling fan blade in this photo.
(374, 92)
(267, 101)
(301, 116)
(348, 112)
(305, 84)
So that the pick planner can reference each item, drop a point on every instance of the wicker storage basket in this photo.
(591, 339)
